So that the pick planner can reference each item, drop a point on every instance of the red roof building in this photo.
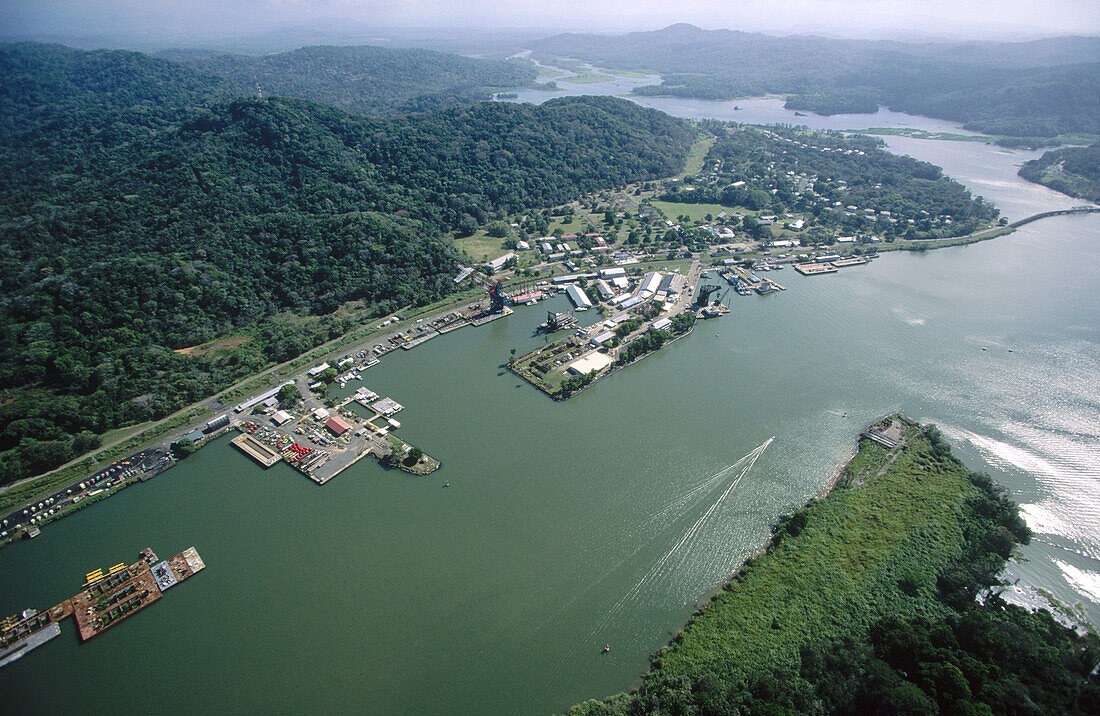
(337, 425)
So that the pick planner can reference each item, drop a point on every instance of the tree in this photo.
(289, 394)
(498, 230)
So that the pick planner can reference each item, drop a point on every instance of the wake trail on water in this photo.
(745, 463)
(648, 526)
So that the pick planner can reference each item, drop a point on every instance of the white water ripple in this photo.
(1085, 582)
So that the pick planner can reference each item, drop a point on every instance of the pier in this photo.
(256, 450)
(108, 598)
(814, 269)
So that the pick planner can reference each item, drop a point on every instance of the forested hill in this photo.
(114, 253)
(56, 98)
(1073, 170)
(1037, 89)
(368, 79)
(882, 598)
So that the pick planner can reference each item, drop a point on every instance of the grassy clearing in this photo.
(696, 155)
(922, 134)
(480, 246)
(926, 244)
(587, 78)
(696, 212)
(119, 433)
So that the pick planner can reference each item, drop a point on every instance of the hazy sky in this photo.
(201, 19)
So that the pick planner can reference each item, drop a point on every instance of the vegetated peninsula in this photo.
(1073, 170)
(143, 213)
(1034, 89)
(880, 598)
(838, 185)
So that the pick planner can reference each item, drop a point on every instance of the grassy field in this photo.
(925, 244)
(117, 434)
(696, 156)
(587, 78)
(481, 247)
(694, 211)
(922, 134)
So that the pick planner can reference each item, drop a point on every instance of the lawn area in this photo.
(696, 156)
(696, 212)
(922, 134)
(119, 433)
(481, 247)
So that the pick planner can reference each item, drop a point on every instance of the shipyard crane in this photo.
(704, 294)
(497, 296)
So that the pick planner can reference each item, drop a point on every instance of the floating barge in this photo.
(813, 269)
(108, 598)
(256, 450)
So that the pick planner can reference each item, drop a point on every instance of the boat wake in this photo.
(657, 570)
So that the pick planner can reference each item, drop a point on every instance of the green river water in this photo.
(381, 592)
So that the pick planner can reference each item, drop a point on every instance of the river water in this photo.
(387, 593)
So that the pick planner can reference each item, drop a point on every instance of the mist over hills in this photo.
(1040, 88)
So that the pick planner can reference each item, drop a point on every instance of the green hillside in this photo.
(368, 79)
(156, 221)
(865, 603)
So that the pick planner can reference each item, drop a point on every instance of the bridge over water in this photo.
(1082, 209)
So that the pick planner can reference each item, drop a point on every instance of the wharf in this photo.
(814, 269)
(452, 327)
(29, 643)
(482, 320)
(338, 466)
(107, 599)
(850, 261)
(256, 450)
(419, 340)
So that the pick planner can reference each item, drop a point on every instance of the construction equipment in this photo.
(497, 296)
(703, 299)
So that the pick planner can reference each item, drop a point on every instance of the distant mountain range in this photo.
(1041, 88)
(364, 78)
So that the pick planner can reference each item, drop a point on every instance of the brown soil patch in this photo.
(218, 346)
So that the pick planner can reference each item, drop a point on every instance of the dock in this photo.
(256, 450)
(814, 269)
(29, 643)
(419, 340)
(482, 320)
(108, 598)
